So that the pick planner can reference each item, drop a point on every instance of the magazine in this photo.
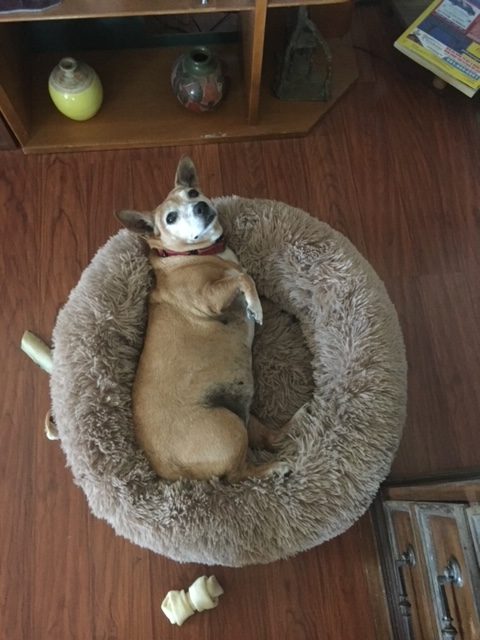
(446, 40)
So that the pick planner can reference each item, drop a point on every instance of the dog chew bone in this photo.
(203, 594)
(37, 350)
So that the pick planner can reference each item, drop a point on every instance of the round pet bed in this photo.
(330, 354)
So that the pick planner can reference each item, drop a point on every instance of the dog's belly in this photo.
(191, 401)
(185, 366)
(194, 384)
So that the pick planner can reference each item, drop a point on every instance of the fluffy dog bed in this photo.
(330, 345)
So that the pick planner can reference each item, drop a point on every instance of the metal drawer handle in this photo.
(451, 575)
(406, 559)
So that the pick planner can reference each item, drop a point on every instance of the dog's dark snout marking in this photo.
(201, 209)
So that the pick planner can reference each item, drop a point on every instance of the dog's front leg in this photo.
(219, 295)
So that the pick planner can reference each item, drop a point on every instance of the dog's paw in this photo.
(281, 469)
(254, 311)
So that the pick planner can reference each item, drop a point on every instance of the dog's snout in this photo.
(201, 209)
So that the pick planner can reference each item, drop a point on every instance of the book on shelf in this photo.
(445, 39)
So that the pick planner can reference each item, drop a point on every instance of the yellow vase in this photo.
(75, 89)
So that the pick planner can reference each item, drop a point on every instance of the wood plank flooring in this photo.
(395, 167)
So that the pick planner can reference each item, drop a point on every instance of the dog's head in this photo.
(184, 221)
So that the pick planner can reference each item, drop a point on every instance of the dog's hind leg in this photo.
(279, 468)
(261, 437)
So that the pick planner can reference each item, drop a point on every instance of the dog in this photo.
(194, 384)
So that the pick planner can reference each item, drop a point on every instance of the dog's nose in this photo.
(201, 209)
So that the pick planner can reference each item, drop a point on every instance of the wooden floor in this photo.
(395, 167)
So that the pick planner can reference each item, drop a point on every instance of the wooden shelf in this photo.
(272, 4)
(139, 112)
(139, 108)
(75, 9)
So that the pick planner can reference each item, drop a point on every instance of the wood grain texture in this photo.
(137, 112)
(7, 141)
(18, 423)
(393, 166)
(299, 3)
(462, 491)
(333, 20)
(64, 573)
(414, 167)
(71, 9)
(253, 36)
(139, 108)
(14, 81)
(286, 599)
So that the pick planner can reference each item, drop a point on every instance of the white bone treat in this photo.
(203, 594)
(37, 350)
(176, 606)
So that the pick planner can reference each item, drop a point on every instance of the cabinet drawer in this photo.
(473, 514)
(452, 568)
(413, 591)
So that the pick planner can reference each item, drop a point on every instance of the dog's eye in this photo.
(193, 193)
(171, 217)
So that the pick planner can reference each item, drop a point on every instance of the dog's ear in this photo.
(186, 174)
(137, 222)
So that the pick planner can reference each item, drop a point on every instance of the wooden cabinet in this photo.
(6, 139)
(433, 552)
(139, 108)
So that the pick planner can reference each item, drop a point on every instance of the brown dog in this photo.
(194, 383)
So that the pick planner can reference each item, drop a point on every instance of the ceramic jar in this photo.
(75, 89)
(198, 80)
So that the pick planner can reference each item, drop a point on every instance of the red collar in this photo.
(217, 247)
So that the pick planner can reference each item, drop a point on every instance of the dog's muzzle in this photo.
(202, 210)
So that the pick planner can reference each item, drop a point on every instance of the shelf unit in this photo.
(139, 108)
